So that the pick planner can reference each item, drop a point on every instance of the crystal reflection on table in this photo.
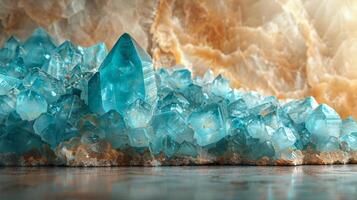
(302, 182)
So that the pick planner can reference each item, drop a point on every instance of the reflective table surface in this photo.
(205, 182)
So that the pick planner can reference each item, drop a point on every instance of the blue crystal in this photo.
(330, 145)
(283, 138)
(297, 111)
(187, 149)
(194, 94)
(349, 133)
(37, 48)
(52, 130)
(9, 51)
(44, 84)
(93, 56)
(258, 150)
(266, 107)
(126, 74)
(349, 126)
(323, 123)
(113, 125)
(8, 83)
(180, 78)
(208, 124)
(69, 108)
(172, 124)
(174, 101)
(350, 140)
(220, 86)
(257, 129)
(165, 144)
(12, 44)
(238, 108)
(139, 137)
(94, 95)
(63, 59)
(30, 105)
(42, 123)
(7, 105)
(15, 68)
(138, 114)
(19, 142)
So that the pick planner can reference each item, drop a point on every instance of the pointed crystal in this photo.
(44, 84)
(220, 86)
(63, 59)
(93, 56)
(126, 74)
(9, 51)
(181, 78)
(16, 68)
(323, 123)
(38, 48)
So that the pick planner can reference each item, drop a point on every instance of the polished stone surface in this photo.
(207, 182)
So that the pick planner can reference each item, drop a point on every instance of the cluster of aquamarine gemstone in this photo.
(53, 93)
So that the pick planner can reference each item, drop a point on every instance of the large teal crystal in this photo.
(126, 74)
(82, 104)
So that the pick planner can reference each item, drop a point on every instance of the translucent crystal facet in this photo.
(323, 123)
(30, 105)
(63, 59)
(208, 124)
(37, 48)
(126, 74)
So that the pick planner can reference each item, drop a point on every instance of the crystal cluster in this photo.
(77, 106)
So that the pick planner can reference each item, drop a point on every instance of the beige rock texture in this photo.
(287, 48)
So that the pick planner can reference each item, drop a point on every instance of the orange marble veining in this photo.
(287, 48)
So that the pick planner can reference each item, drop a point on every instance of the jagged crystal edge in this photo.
(82, 106)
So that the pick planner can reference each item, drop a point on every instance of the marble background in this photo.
(287, 48)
